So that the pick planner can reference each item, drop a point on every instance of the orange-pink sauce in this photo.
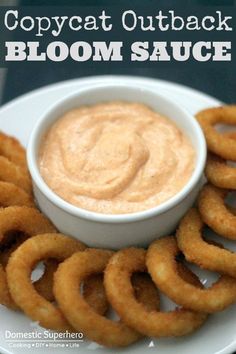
(116, 158)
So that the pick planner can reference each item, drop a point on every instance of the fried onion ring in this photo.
(12, 150)
(221, 145)
(69, 276)
(219, 173)
(200, 252)
(99, 297)
(94, 292)
(120, 294)
(162, 266)
(20, 266)
(215, 213)
(30, 222)
(44, 285)
(100, 329)
(11, 195)
(145, 291)
(9, 172)
(93, 288)
(9, 244)
(24, 219)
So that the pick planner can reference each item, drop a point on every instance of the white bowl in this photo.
(123, 230)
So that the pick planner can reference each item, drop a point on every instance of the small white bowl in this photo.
(109, 230)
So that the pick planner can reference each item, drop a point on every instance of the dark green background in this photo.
(215, 78)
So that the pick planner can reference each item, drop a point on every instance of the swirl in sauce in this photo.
(115, 158)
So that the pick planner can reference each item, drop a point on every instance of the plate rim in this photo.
(64, 83)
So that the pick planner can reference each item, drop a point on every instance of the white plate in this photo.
(17, 118)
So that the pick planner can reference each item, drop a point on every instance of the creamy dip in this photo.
(115, 158)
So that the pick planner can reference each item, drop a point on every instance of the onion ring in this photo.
(44, 285)
(9, 172)
(94, 293)
(120, 294)
(187, 275)
(11, 195)
(24, 219)
(218, 172)
(27, 220)
(9, 244)
(13, 150)
(19, 268)
(98, 297)
(221, 145)
(100, 329)
(162, 266)
(145, 291)
(200, 252)
(215, 213)
(93, 288)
